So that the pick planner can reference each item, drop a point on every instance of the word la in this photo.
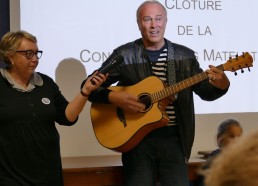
(191, 30)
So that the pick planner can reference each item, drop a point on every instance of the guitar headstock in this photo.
(240, 62)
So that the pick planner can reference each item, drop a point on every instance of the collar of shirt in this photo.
(34, 80)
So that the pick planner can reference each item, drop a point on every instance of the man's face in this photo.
(152, 24)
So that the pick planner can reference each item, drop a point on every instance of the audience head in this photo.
(236, 165)
(228, 131)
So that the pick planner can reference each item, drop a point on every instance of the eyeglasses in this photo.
(29, 53)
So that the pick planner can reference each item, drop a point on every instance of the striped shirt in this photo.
(159, 67)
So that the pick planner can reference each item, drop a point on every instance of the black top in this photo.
(29, 140)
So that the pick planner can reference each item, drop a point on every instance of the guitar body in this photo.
(123, 134)
(121, 131)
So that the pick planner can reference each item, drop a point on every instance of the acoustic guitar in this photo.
(121, 131)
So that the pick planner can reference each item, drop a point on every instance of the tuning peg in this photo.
(242, 70)
(248, 69)
(235, 73)
(236, 55)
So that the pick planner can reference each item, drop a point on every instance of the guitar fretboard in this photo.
(173, 89)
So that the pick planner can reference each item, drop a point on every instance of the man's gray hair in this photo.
(149, 2)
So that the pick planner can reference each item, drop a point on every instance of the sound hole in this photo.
(146, 100)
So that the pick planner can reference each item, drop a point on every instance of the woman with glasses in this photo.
(30, 104)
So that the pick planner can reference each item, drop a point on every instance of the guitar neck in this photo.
(173, 89)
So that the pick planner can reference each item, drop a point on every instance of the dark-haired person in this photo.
(228, 131)
(236, 165)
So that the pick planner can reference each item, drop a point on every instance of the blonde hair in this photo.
(236, 165)
(11, 41)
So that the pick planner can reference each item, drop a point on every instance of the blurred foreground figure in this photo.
(236, 165)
